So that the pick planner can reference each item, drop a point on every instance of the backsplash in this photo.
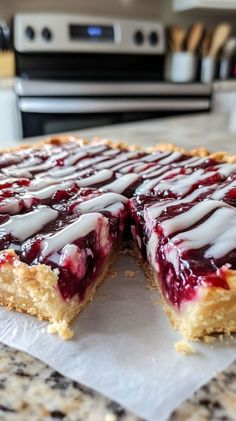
(148, 9)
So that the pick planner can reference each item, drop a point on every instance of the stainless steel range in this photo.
(76, 72)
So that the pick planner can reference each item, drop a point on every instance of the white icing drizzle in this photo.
(17, 172)
(87, 162)
(24, 226)
(181, 184)
(136, 167)
(220, 193)
(156, 156)
(11, 206)
(226, 239)
(192, 162)
(95, 148)
(190, 217)
(71, 145)
(26, 171)
(221, 236)
(148, 184)
(80, 228)
(171, 158)
(121, 183)
(111, 152)
(115, 208)
(100, 202)
(8, 180)
(162, 172)
(81, 178)
(41, 183)
(99, 177)
(58, 180)
(74, 158)
(61, 173)
(140, 168)
(113, 162)
(79, 160)
(133, 165)
(225, 169)
(33, 160)
(156, 209)
(146, 187)
(154, 170)
(128, 164)
(49, 191)
(10, 158)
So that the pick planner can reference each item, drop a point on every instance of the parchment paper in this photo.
(123, 347)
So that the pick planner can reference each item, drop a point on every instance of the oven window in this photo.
(38, 124)
(57, 126)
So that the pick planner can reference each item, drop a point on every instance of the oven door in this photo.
(43, 116)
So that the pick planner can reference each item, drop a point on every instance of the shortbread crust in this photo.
(213, 312)
(32, 290)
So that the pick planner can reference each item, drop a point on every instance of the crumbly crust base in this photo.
(213, 311)
(32, 289)
(184, 347)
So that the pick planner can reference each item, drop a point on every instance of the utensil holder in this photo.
(181, 67)
(208, 69)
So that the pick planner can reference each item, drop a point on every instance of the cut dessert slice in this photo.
(64, 207)
(189, 253)
(56, 256)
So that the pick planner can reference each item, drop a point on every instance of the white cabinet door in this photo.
(10, 128)
(181, 5)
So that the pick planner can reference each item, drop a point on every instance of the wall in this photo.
(143, 9)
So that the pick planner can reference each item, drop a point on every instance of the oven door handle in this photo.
(81, 106)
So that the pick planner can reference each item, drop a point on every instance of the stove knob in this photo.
(153, 38)
(138, 37)
(46, 34)
(29, 32)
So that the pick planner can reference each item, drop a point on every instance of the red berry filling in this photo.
(53, 187)
(182, 270)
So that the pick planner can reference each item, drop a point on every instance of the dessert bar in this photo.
(67, 206)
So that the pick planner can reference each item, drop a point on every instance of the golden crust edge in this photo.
(52, 140)
(221, 156)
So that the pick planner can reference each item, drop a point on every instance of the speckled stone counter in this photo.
(209, 130)
(30, 390)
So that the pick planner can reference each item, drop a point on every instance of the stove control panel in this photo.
(76, 33)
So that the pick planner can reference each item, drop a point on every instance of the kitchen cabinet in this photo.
(224, 96)
(182, 5)
(9, 118)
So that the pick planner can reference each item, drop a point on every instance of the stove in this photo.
(75, 72)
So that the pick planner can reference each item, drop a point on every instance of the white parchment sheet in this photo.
(123, 347)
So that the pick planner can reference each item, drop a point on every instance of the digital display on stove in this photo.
(92, 33)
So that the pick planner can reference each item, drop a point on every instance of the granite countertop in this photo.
(31, 390)
(209, 130)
